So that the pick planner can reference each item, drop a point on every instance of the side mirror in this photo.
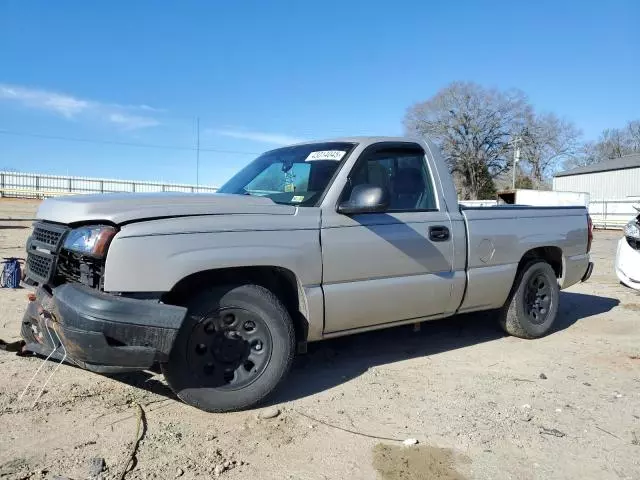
(365, 199)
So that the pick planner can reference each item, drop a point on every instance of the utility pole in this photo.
(516, 159)
(197, 151)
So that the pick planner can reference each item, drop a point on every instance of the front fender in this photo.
(153, 256)
(156, 263)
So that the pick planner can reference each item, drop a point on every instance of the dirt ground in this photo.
(481, 405)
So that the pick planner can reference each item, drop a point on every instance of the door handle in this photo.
(439, 233)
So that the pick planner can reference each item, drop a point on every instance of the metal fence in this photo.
(35, 185)
(605, 214)
(612, 214)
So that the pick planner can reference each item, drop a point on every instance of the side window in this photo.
(403, 172)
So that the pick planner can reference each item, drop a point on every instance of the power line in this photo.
(125, 144)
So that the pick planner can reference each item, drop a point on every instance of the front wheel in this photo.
(532, 306)
(234, 347)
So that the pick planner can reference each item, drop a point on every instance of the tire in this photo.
(532, 305)
(235, 346)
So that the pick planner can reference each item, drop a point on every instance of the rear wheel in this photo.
(532, 306)
(235, 346)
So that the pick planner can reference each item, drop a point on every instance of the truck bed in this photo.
(499, 236)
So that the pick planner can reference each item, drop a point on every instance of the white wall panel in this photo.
(615, 184)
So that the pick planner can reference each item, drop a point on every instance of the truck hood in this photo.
(118, 208)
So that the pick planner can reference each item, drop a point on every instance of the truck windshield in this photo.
(296, 175)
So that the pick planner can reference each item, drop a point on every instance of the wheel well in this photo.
(280, 281)
(551, 255)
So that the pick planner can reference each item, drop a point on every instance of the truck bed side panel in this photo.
(499, 237)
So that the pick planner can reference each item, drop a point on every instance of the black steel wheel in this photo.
(532, 306)
(229, 348)
(233, 349)
(537, 298)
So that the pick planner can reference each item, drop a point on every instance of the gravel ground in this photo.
(480, 404)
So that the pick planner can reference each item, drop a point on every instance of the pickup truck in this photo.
(307, 242)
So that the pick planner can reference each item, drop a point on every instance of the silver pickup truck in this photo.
(308, 242)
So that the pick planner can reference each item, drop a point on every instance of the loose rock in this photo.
(410, 441)
(527, 417)
(179, 472)
(543, 376)
(96, 467)
(551, 431)
(268, 413)
(218, 470)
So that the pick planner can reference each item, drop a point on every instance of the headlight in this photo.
(90, 240)
(632, 230)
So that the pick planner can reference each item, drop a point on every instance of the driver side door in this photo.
(380, 268)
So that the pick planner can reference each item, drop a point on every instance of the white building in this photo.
(616, 179)
(613, 187)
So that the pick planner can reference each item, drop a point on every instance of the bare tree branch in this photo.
(546, 142)
(474, 127)
(612, 143)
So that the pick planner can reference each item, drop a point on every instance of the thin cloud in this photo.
(70, 107)
(64, 105)
(264, 137)
(133, 122)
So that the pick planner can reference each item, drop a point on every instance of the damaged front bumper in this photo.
(628, 264)
(98, 331)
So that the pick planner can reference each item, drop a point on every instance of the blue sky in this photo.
(260, 74)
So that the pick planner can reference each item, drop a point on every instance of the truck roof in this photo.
(362, 139)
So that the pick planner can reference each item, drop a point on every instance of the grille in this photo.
(39, 267)
(42, 247)
(48, 235)
(50, 264)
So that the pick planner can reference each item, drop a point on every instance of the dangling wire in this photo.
(64, 357)
(58, 346)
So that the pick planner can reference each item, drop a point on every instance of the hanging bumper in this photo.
(98, 331)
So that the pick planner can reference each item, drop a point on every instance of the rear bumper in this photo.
(98, 331)
(575, 269)
(587, 274)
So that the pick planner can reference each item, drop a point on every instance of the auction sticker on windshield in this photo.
(325, 155)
